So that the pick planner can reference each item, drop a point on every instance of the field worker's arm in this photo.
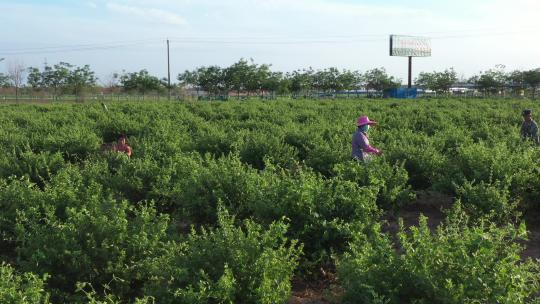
(535, 133)
(370, 149)
(366, 147)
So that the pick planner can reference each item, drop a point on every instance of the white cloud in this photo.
(149, 14)
(91, 4)
(339, 9)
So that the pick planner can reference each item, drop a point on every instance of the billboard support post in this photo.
(410, 73)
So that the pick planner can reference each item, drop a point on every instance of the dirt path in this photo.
(532, 249)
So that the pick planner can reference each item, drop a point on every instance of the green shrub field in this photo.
(227, 202)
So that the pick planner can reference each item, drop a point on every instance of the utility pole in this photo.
(168, 70)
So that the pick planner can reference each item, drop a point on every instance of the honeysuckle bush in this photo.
(74, 231)
(77, 232)
(323, 212)
(463, 261)
(103, 220)
(391, 181)
(489, 201)
(26, 288)
(229, 264)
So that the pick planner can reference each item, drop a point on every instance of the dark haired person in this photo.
(361, 149)
(529, 128)
(122, 146)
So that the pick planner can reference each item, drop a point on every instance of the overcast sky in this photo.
(116, 35)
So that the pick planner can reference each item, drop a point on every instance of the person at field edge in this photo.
(529, 128)
(361, 149)
(122, 146)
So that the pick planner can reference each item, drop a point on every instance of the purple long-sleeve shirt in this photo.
(361, 147)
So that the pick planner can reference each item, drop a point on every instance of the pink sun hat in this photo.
(364, 120)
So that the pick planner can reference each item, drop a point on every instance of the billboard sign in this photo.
(410, 46)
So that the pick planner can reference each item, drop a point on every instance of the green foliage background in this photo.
(225, 202)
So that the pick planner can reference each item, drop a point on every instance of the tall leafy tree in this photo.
(377, 79)
(349, 80)
(80, 79)
(437, 81)
(141, 82)
(211, 79)
(258, 75)
(56, 77)
(4, 81)
(189, 79)
(302, 81)
(237, 76)
(62, 78)
(275, 83)
(491, 81)
(34, 78)
(515, 81)
(532, 79)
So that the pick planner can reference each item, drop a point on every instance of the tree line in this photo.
(247, 78)
(492, 81)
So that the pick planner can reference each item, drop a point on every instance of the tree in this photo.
(141, 82)
(515, 80)
(284, 84)
(301, 81)
(16, 72)
(437, 81)
(34, 78)
(190, 79)
(492, 80)
(62, 78)
(532, 79)
(257, 75)
(377, 79)
(327, 80)
(349, 80)
(81, 78)
(211, 79)
(4, 81)
(237, 76)
(56, 77)
(274, 83)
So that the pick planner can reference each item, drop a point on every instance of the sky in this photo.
(129, 35)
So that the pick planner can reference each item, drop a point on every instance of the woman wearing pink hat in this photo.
(361, 149)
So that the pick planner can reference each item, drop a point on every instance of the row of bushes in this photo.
(223, 202)
(74, 233)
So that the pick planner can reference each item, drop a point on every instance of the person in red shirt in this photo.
(122, 146)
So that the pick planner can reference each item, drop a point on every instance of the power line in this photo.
(96, 44)
(262, 40)
(254, 42)
(75, 49)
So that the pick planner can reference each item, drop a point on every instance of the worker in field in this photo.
(122, 146)
(361, 149)
(529, 128)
